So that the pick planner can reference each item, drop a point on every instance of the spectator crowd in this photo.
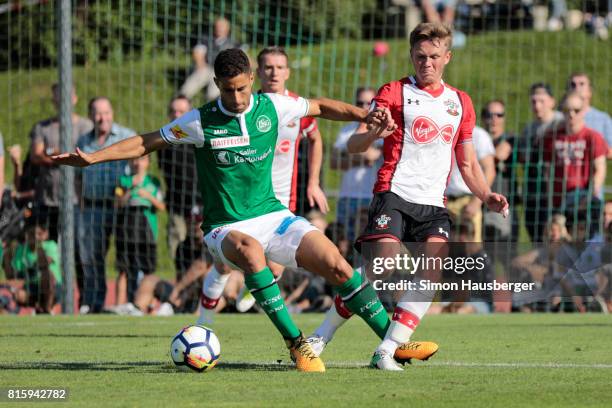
(553, 172)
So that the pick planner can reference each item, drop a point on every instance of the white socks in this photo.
(406, 317)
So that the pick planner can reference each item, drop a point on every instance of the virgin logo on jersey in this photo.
(283, 146)
(424, 130)
(382, 222)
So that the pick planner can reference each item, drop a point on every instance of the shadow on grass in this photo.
(88, 335)
(150, 367)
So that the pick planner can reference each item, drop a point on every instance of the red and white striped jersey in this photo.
(284, 166)
(418, 156)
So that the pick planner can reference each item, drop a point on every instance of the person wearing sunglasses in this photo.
(496, 227)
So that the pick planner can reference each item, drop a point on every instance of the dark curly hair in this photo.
(232, 62)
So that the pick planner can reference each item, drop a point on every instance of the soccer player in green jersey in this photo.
(244, 222)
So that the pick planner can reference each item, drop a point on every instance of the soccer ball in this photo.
(195, 347)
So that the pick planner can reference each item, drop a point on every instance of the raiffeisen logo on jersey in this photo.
(234, 141)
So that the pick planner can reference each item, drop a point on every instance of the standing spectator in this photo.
(577, 157)
(359, 172)
(201, 77)
(45, 143)
(139, 197)
(460, 202)
(498, 228)
(593, 118)
(177, 165)
(97, 214)
(531, 154)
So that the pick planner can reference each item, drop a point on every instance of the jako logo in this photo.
(220, 131)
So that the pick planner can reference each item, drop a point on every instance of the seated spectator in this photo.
(439, 11)
(537, 266)
(531, 154)
(138, 198)
(220, 40)
(201, 76)
(359, 172)
(480, 302)
(34, 267)
(577, 170)
(603, 293)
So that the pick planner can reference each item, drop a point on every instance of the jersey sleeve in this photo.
(468, 118)
(387, 96)
(288, 108)
(600, 147)
(185, 130)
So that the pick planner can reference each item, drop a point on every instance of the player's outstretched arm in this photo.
(468, 165)
(336, 110)
(129, 148)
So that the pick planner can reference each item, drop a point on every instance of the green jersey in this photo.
(234, 154)
(149, 183)
(25, 262)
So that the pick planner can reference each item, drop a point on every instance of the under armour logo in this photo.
(416, 101)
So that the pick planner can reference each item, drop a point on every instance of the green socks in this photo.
(361, 299)
(264, 289)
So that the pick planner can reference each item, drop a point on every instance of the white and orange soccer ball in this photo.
(195, 347)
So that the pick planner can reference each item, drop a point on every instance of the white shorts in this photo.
(279, 233)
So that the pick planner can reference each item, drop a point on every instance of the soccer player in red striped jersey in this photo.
(426, 123)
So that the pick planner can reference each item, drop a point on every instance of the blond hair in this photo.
(560, 221)
(431, 32)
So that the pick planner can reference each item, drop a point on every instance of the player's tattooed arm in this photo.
(129, 148)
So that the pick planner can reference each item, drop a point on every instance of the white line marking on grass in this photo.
(356, 364)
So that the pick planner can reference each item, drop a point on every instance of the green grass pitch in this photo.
(484, 361)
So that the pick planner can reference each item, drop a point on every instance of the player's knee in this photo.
(340, 270)
(250, 254)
